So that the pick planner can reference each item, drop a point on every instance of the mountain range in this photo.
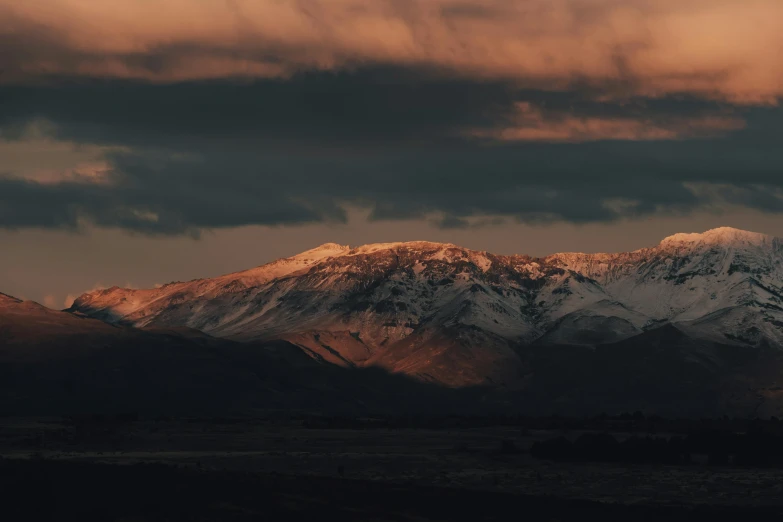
(693, 325)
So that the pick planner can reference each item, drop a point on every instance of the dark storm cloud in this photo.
(366, 105)
(404, 143)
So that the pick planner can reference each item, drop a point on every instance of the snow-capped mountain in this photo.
(460, 316)
(725, 284)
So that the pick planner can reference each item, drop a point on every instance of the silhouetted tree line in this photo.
(753, 449)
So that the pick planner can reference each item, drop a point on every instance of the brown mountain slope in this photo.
(55, 363)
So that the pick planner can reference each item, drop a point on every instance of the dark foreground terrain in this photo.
(40, 490)
(220, 469)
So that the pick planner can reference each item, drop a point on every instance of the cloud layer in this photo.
(174, 117)
(729, 49)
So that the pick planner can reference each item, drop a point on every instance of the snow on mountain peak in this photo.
(289, 265)
(323, 251)
(389, 290)
(428, 251)
(725, 236)
(422, 245)
(330, 247)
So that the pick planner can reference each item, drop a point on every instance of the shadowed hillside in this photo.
(61, 363)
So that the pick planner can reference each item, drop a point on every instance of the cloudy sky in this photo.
(145, 141)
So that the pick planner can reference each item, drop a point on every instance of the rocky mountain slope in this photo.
(725, 284)
(61, 363)
(462, 317)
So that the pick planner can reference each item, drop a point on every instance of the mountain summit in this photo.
(725, 236)
(428, 308)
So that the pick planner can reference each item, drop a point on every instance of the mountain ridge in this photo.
(441, 304)
(692, 326)
(604, 269)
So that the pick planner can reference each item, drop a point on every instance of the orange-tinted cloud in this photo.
(724, 49)
(530, 123)
(35, 155)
